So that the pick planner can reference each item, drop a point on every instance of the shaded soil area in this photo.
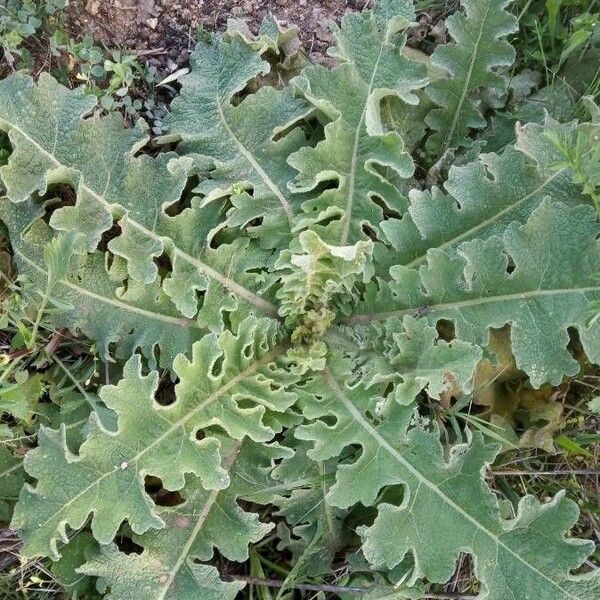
(164, 31)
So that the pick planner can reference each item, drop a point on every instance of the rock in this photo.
(92, 7)
(152, 22)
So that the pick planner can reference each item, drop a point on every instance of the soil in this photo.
(164, 31)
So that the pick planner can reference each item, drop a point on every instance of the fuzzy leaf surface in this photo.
(357, 150)
(106, 476)
(506, 552)
(239, 138)
(480, 199)
(540, 277)
(471, 62)
(169, 565)
(55, 142)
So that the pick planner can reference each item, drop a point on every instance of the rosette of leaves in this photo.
(312, 306)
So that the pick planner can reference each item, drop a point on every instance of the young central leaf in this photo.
(313, 281)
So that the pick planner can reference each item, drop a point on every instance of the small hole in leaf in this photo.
(388, 213)
(127, 545)
(107, 236)
(510, 267)
(369, 232)
(217, 365)
(329, 420)
(57, 196)
(163, 262)
(161, 496)
(575, 347)
(279, 135)
(165, 395)
(445, 330)
(215, 430)
(185, 200)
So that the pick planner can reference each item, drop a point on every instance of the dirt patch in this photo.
(165, 30)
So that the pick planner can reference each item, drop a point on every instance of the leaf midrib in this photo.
(471, 231)
(422, 479)
(8, 471)
(226, 282)
(201, 520)
(112, 302)
(175, 426)
(433, 308)
(465, 91)
(254, 163)
(347, 219)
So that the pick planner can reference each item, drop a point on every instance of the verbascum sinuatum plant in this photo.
(284, 269)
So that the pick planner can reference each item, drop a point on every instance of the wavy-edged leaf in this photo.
(539, 277)
(507, 556)
(169, 565)
(413, 354)
(134, 317)
(471, 62)
(482, 197)
(357, 150)
(232, 381)
(506, 552)
(54, 141)
(240, 138)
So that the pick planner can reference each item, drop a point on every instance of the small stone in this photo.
(152, 22)
(123, 466)
(93, 6)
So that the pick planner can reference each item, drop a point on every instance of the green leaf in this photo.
(506, 552)
(231, 381)
(53, 142)
(138, 316)
(12, 477)
(170, 563)
(239, 137)
(472, 63)
(408, 353)
(481, 198)
(314, 278)
(539, 277)
(358, 154)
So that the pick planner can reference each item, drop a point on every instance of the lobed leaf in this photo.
(231, 382)
(506, 552)
(472, 63)
(539, 277)
(172, 563)
(358, 154)
(249, 164)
